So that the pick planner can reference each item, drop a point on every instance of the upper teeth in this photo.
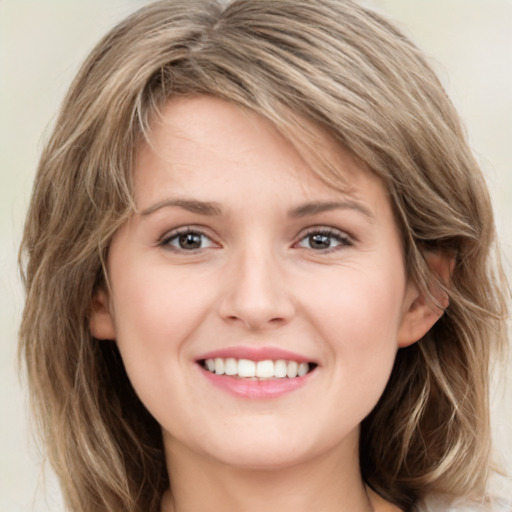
(266, 369)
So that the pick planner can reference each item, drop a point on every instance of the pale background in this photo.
(42, 43)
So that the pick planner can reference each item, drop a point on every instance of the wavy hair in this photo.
(309, 66)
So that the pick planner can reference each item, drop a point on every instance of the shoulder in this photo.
(444, 504)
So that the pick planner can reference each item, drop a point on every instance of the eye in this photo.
(325, 240)
(187, 240)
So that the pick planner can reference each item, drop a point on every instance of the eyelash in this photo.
(342, 238)
(165, 242)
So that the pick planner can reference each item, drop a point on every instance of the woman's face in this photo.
(239, 253)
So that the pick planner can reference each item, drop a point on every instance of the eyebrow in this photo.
(304, 210)
(192, 205)
(315, 208)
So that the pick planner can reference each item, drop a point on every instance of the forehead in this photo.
(200, 142)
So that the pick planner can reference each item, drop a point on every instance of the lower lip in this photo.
(256, 389)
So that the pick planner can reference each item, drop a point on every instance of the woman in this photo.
(258, 270)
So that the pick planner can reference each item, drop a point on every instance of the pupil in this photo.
(190, 241)
(320, 241)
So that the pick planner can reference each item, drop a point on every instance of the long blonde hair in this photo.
(300, 63)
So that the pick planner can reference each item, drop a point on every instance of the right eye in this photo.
(187, 240)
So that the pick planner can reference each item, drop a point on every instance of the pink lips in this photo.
(255, 354)
(255, 388)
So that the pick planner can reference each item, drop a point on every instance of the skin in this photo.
(256, 279)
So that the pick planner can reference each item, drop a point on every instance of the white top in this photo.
(441, 504)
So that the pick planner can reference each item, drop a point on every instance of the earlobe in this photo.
(101, 322)
(422, 312)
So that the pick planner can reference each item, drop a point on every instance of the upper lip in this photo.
(255, 353)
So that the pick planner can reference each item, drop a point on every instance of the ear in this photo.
(101, 322)
(421, 313)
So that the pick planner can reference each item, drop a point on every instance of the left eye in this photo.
(324, 240)
(187, 241)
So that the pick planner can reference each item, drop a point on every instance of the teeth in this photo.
(231, 367)
(291, 371)
(266, 369)
(280, 368)
(303, 369)
(246, 368)
(219, 366)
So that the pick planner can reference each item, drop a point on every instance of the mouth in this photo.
(257, 373)
(267, 369)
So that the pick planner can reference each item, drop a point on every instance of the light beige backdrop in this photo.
(42, 43)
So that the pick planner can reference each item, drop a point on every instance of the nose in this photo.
(254, 292)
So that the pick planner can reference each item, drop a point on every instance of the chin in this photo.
(261, 460)
(266, 452)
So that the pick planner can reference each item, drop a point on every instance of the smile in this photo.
(248, 369)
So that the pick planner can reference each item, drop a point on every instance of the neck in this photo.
(331, 483)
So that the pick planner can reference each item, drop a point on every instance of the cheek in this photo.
(365, 305)
(155, 314)
(156, 300)
(357, 316)
(154, 322)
